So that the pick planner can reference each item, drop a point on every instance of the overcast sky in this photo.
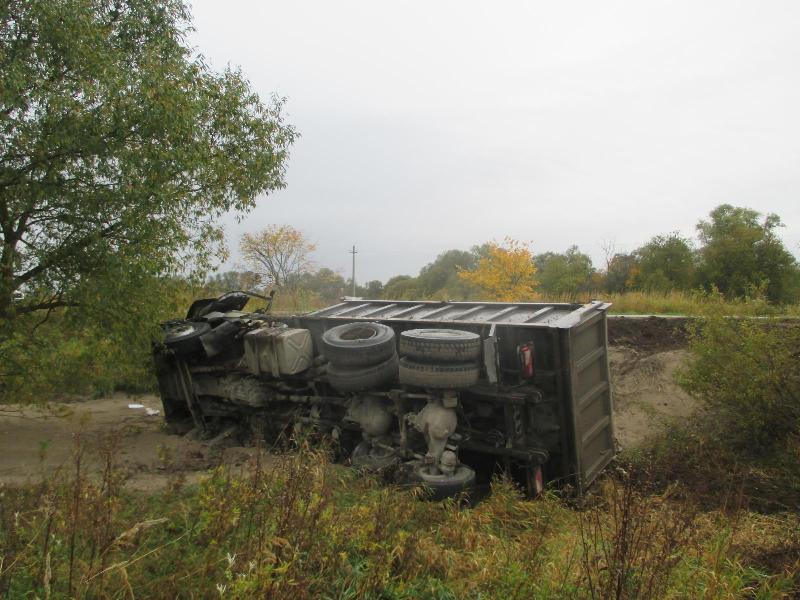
(435, 125)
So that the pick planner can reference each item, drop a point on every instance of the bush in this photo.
(746, 371)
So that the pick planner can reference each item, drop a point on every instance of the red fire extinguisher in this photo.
(526, 360)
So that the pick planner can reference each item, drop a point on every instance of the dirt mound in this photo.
(646, 395)
(648, 334)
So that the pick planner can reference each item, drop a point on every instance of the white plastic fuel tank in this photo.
(278, 351)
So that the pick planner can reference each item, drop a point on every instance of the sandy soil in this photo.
(645, 393)
(36, 442)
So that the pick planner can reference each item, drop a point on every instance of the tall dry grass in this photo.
(296, 526)
(676, 302)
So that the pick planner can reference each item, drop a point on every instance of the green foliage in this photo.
(228, 281)
(569, 273)
(748, 373)
(440, 279)
(402, 287)
(294, 526)
(120, 149)
(743, 451)
(325, 284)
(665, 263)
(742, 254)
(621, 272)
(67, 354)
(371, 289)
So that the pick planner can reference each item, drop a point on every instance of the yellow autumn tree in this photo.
(277, 254)
(505, 273)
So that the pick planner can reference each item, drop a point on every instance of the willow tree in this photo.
(119, 149)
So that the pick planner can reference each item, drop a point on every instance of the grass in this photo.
(296, 526)
(676, 302)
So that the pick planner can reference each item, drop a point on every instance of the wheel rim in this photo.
(359, 333)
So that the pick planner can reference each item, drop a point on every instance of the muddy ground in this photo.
(39, 441)
(644, 356)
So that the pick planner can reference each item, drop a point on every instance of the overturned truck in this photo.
(443, 393)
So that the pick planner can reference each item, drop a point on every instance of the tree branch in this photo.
(53, 259)
(29, 308)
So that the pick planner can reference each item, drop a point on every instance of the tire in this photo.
(453, 376)
(366, 458)
(183, 337)
(440, 486)
(440, 345)
(360, 379)
(358, 344)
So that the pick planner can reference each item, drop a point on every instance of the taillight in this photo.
(526, 360)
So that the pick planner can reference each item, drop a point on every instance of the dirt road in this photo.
(37, 441)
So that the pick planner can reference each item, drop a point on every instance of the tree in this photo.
(622, 271)
(505, 273)
(666, 262)
(440, 278)
(371, 289)
(568, 273)
(742, 254)
(119, 150)
(401, 287)
(229, 281)
(277, 254)
(328, 285)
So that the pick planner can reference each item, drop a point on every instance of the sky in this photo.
(427, 126)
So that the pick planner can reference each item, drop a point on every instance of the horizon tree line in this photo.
(738, 254)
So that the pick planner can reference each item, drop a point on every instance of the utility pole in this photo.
(354, 252)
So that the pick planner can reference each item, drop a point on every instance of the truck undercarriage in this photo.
(433, 392)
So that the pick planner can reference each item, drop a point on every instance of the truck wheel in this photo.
(368, 458)
(358, 344)
(183, 337)
(453, 376)
(360, 379)
(440, 345)
(441, 486)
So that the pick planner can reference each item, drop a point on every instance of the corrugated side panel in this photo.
(592, 407)
(505, 313)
